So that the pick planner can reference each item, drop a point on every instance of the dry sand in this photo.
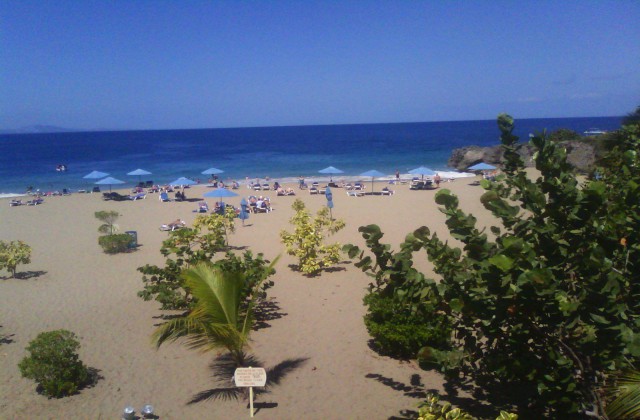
(72, 284)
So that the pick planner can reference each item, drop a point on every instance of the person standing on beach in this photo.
(437, 180)
(397, 176)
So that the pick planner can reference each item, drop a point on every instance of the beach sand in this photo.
(318, 327)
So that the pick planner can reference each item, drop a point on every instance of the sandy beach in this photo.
(318, 326)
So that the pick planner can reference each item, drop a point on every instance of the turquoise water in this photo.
(280, 153)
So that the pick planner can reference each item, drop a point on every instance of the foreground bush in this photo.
(400, 332)
(14, 253)
(54, 364)
(114, 244)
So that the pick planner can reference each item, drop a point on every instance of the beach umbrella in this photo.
(482, 167)
(244, 212)
(139, 173)
(373, 174)
(422, 171)
(109, 181)
(212, 171)
(182, 181)
(331, 171)
(220, 193)
(95, 175)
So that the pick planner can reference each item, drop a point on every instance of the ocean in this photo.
(280, 153)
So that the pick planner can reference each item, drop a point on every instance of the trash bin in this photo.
(134, 238)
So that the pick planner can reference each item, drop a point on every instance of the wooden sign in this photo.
(250, 377)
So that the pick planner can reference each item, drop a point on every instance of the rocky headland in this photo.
(581, 154)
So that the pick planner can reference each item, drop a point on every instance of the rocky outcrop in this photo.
(580, 154)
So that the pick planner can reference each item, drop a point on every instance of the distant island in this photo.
(38, 128)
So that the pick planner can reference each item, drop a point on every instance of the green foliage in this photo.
(218, 226)
(564, 134)
(54, 364)
(109, 219)
(186, 248)
(307, 240)
(116, 243)
(431, 409)
(400, 332)
(632, 118)
(222, 315)
(545, 311)
(12, 254)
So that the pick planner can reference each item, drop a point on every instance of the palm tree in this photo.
(221, 317)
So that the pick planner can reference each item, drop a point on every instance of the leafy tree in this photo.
(632, 118)
(543, 313)
(109, 219)
(217, 224)
(54, 364)
(12, 254)
(222, 315)
(307, 240)
(186, 248)
(564, 134)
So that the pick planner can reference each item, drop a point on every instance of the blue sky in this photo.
(195, 64)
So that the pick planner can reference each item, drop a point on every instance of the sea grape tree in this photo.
(547, 307)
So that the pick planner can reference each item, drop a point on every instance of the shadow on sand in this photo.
(223, 368)
(26, 275)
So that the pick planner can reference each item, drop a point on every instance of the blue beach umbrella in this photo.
(95, 175)
(331, 171)
(109, 181)
(244, 213)
(373, 174)
(422, 171)
(220, 193)
(139, 173)
(182, 181)
(482, 167)
(212, 171)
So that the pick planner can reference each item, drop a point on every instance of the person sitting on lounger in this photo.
(176, 224)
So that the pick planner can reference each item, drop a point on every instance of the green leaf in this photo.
(501, 261)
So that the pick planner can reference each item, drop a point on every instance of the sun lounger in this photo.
(169, 227)
(203, 207)
(164, 197)
(139, 196)
(14, 203)
(387, 191)
(354, 193)
(35, 202)
(313, 190)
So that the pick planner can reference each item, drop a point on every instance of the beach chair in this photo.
(170, 227)
(313, 190)
(387, 191)
(416, 185)
(35, 202)
(14, 203)
(203, 207)
(139, 196)
(354, 193)
(65, 191)
(95, 190)
(164, 197)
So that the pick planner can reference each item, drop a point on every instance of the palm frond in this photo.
(626, 404)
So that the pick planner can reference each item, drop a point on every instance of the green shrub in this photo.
(113, 244)
(400, 332)
(14, 253)
(109, 218)
(54, 364)
(307, 240)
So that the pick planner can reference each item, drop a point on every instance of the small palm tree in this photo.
(221, 318)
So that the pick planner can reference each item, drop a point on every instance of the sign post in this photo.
(329, 196)
(250, 377)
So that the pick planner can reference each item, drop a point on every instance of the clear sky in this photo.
(196, 64)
